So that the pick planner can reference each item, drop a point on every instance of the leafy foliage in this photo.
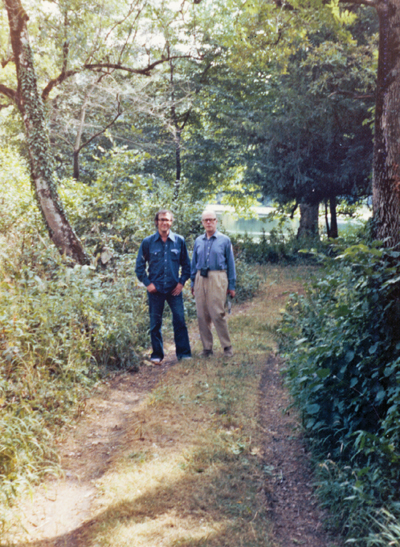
(280, 245)
(248, 280)
(343, 367)
(116, 211)
(61, 327)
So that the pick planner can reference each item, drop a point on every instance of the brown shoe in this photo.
(206, 353)
(228, 352)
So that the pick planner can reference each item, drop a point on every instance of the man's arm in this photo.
(185, 269)
(141, 261)
(193, 269)
(185, 264)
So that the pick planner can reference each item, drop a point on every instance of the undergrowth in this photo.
(342, 347)
(282, 246)
(63, 327)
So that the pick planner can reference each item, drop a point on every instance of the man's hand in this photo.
(178, 289)
(231, 293)
(151, 288)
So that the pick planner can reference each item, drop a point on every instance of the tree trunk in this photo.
(76, 172)
(177, 135)
(308, 227)
(178, 162)
(333, 232)
(386, 175)
(78, 141)
(328, 228)
(31, 107)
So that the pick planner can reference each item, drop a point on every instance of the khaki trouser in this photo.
(210, 294)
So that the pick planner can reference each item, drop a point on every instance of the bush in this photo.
(248, 280)
(279, 246)
(342, 346)
(61, 329)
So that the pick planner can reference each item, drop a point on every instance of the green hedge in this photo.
(342, 347)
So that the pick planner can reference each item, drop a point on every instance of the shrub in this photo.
(342, 346)
(279, 246)
(61, 328)
(248, 280)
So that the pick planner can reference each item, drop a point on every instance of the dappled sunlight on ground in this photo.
(187, 465)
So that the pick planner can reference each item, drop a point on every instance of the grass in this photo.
(192, 471)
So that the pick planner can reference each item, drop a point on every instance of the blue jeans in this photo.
(156, 306)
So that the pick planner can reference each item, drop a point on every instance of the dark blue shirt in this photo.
(216, 254)
(164, 262)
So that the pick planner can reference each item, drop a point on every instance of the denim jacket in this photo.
(164, 260)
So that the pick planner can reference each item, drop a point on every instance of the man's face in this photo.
(209, 222)
(164, 223)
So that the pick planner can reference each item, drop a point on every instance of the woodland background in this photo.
(111, 110)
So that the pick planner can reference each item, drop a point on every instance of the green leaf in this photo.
(323, 373)
(372, 349)
(312, 408)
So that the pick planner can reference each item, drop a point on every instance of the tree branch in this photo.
(6, 60)
(119, 112)
(129, 13)
(371, 3)
(144, 71)
(8, 92)
(284, 5)
(293, 210)
(114, 66)
(57, 81)
(197, 90)
(353, 95)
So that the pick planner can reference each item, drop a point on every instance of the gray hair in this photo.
(208, 212)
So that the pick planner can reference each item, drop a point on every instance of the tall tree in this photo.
(75, 45)
(293, 122)
(316, 146)
(386, 155)
(386, 170)
(31, 107)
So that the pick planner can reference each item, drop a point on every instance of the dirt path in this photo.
(60, 507)
(288, 478)
(61, 512)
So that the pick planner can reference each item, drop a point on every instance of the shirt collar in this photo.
(215, 234)
(171, 235)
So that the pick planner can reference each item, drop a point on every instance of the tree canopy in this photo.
(238, 99)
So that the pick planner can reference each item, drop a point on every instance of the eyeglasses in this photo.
(164, 220)
(209, 219)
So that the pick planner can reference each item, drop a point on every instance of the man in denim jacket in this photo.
(167, 258)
